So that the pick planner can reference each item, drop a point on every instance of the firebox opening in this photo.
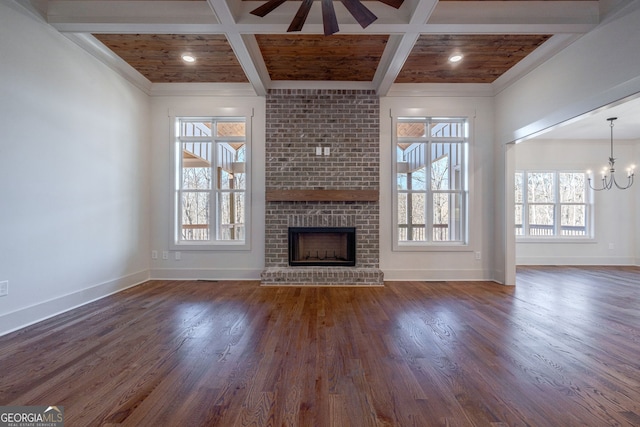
(322, 246)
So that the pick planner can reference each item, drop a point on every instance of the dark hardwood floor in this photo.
(560, 349)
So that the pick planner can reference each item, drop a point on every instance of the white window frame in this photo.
(466, 183)
(216, 114)
(557, 209)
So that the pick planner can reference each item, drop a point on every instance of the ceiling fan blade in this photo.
(301, 16)
(363, 15)
(329, 18)
(393, 3)
(263, 10)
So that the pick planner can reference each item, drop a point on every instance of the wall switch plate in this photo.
(318, 151)
(478, 255)
(4, 288)
(327, 151)
(154, 254)
(178, 256)
(165, 254)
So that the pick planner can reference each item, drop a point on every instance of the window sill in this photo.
(555, 240)
(209, 246)
(431, 247)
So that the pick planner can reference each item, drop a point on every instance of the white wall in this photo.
(73, 174)
(441, 264)
(599, 68)
(615, 221)
(204, 264)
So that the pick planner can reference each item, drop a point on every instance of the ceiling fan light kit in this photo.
(361, 13)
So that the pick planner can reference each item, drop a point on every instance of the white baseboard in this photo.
(436, 275)
(576, 261)
(35, 313)
(205, 274)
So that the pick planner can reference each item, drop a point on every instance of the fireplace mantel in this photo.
(322, 195)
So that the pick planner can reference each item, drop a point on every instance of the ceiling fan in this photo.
(363, 15)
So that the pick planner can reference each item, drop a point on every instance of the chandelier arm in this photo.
(629, 183)
(604, 185)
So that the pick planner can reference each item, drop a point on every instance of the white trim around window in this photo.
(223, 165)
(544, 212)
(454, 149)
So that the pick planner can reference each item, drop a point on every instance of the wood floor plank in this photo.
(558, 349)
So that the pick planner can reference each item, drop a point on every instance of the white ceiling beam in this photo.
(135, 28)
(399, 47)
(542, 13)
(180, 17)
(394, 56)
(191, 28)
(244, 46)
(129, 12)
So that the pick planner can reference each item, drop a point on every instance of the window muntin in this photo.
(555, 204)
(430, 172)
(211, 181)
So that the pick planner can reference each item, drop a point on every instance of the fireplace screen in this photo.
(322, 246)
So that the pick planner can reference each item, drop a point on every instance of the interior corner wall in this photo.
(73, 174)
(204, 264)
(439, 264)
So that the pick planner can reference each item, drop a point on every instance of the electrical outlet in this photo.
(178, 256)
(165, 254)
(478, 255)
(318, 151)
(327, 151)
(611, 246)
(154, 254)
(4, 288)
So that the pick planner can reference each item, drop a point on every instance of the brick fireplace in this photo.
(322, 170)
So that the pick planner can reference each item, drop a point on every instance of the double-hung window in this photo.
(552, 204)
(430, 181)
(211, 182)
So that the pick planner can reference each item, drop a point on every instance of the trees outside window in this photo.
(551, 203)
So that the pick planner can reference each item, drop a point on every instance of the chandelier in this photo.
(608, 181)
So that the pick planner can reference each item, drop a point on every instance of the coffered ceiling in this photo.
(499, 40)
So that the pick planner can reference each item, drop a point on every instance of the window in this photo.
(211, 182)
(430, 181)
(551, 204)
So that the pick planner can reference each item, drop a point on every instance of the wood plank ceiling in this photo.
(315, 58)
(408, 45)
(158, 57)
(487, 57)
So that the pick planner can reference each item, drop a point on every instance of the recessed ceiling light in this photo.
(187, 57)
(456, 57)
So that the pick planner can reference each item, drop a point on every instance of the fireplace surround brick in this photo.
(298, 121)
